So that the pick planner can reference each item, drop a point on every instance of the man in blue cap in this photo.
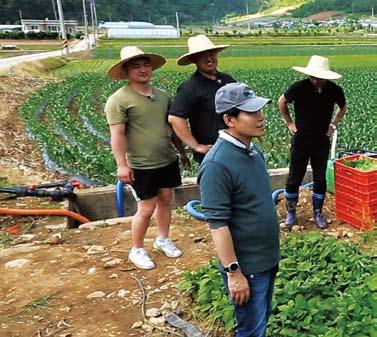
(236, 197)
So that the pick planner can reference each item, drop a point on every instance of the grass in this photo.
(40, 303)
(5, 240)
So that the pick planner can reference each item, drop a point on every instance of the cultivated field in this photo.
(327, 283)
(72, 131)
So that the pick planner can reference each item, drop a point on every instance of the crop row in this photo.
(67, 119)
(247, 50)
(100, 66)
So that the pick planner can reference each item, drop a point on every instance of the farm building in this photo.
(48, 26)
(139, 30)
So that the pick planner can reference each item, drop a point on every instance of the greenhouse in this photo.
(139, 30)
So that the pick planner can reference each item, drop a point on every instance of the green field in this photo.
(244, 53)
(226, 63)
(252, 50)
(73, 133)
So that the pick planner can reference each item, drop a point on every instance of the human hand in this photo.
(330, 132)
(202, 148)
(185, 161)
(292, 128)
(125, 174)
(238, 288)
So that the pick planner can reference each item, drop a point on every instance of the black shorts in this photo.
(148, 182)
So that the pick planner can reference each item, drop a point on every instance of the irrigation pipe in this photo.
(56, 212)
(190, 206)
(119, 196)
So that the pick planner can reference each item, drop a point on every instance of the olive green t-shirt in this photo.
(148, 134)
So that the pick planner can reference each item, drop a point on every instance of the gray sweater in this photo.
(236, 192)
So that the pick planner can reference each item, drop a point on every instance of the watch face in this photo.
(233, 267)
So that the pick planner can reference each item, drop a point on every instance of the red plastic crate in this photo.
(352, 203)
(342, 170)
(360, 192)
(355, 219)
(361, 188)
(359, 214)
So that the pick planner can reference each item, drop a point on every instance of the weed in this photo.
(40, 303)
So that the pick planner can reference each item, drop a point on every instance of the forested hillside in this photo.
(163, 11)
(156, 11)
(348, 6)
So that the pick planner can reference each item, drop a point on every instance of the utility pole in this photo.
(247, 14)
(95, 20)
(92, 18)
(178, 29)
(62, 28)
(19, 12)
(54, 8)
(86, 25)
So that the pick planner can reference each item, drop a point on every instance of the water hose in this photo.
(119, 196)
(57, 212)
(190, 206)
(120, 186)
(333, 145)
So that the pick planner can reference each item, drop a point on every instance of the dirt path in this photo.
(20, 160)
(50, 292)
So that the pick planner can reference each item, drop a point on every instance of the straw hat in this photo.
(117, 72)
(318, 66)
(198, 44)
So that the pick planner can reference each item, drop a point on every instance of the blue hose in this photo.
(190, 206)
(119, 196)
(276, 193)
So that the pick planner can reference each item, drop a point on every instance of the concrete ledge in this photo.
(100, 203)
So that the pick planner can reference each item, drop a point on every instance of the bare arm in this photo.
(119, 147)
(181, 150)
(181, 129)
(237, 283)
(337, 119)
(283, 107)
(340, 114)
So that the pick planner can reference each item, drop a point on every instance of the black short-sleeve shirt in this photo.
(313, 109)
(195, 100)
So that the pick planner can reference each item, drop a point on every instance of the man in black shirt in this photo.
(313, 101)
(195, 98)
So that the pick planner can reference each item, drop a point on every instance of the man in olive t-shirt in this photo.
(141, 141)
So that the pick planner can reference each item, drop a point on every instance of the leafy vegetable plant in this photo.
(324, 288)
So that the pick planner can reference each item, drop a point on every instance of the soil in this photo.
(48, 296)
(326, 15)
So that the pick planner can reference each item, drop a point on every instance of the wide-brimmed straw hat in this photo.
(318, 66)
(117, 71)
(196, 45)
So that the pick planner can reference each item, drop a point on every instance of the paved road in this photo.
(8, 62)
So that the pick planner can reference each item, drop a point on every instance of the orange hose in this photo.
(58, 212)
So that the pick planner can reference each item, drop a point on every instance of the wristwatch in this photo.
(332, 126)
(232, 267)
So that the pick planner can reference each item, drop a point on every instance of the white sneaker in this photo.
(167, 246)
(140, 258)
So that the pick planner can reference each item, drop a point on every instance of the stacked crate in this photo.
(356, 194)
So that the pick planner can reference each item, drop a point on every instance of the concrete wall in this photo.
(100, 203)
